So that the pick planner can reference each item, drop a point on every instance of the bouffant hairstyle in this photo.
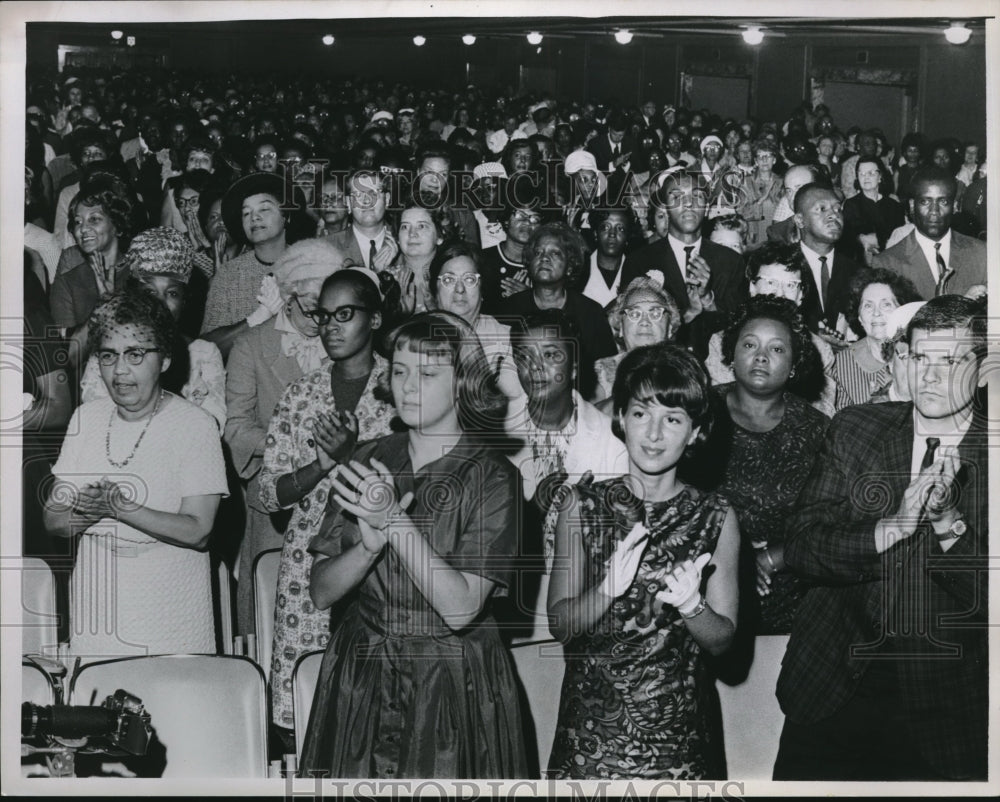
(481, 406)
(664, 374)
(789, 256)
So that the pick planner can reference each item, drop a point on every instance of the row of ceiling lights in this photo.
(957, 33)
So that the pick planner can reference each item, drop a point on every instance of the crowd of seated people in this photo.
(494, 372)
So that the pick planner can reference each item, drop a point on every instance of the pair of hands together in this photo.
(101, 499)
(682, 584)
(369, 494)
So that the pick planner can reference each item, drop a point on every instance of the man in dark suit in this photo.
(933, 256)
(819, 218)
(885, 676)
(612, 148)
(706, 280)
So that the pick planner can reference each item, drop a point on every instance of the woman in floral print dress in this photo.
(627, 594)
(315, 426)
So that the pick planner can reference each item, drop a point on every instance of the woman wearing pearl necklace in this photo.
(140, 476)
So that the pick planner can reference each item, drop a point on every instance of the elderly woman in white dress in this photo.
(159, 262)
(264, 360)
(140, 476)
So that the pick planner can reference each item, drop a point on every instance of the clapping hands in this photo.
(683, 584)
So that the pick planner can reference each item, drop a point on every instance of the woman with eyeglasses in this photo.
(160, 262)
(419, 536)
(643, 314)
(861, 368)
(505, 264)
(319, 419)
(140, 476)
(781, 270)
(262, 363)
(456, 285)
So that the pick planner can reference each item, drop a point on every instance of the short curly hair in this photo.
(903, 290)
(806, 364)
(133, 307)
(115, 206)
(789, 256)
(638, 285)
(573, 247)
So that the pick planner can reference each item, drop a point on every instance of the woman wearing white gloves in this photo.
(644, 581)
(243, 293)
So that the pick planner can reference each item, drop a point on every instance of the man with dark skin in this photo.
(705, 279)
(937, 259)
(819, 218)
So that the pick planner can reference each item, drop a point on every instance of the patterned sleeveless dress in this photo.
(638, 700)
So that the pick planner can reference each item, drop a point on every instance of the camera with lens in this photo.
(120, 726)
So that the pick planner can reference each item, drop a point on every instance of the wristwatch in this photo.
(957, 529)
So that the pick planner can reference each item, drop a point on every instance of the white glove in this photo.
(683, 585)
(624, 563)
(269, 295)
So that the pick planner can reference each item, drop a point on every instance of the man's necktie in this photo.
(688, 250)
(944, 272)
(372, 251)
(928, 460)
(824, 280)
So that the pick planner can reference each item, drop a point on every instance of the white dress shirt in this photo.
(927, 246)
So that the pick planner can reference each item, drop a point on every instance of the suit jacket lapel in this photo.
(898, 454)
(923, 273)
(673, 279)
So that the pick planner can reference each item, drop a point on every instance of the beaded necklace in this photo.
(135, 448)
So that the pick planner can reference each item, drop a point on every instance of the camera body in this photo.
(120, 726)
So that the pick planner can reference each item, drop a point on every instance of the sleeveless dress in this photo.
(399, 694)
(638, 700)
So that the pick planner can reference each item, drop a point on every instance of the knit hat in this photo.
(160, 251)
(307, 259)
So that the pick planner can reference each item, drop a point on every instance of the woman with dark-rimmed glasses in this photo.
(316, 424)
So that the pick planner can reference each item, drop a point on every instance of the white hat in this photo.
(382, 115)
(584, 160)
(538, 106)
(485, 169)
(708, 140)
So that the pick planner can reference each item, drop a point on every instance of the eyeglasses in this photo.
(321, 317)
(773, 285)
(133, 356)
(449, 280)
(654, 313)
(525, 217)
(184, 203)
